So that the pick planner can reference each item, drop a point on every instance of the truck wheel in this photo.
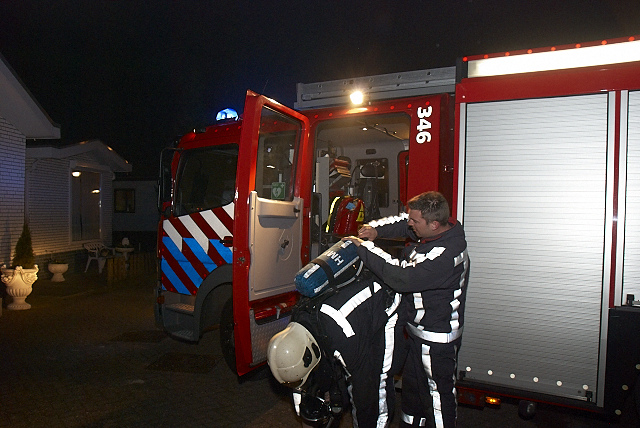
(227, 341)
(527, 409)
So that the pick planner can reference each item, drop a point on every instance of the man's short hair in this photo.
(432, 205)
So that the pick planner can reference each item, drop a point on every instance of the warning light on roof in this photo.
(227, 114)
(557, 59)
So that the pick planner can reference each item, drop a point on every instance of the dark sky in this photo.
(135, 74)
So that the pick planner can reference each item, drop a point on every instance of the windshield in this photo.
(206, 178)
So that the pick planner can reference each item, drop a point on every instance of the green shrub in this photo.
(24, 250)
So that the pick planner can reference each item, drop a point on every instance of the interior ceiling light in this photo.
(376, 127)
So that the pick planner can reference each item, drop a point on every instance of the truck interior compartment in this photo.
(358, 156)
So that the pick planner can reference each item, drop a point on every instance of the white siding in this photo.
(48, 205)
(534, 214)
(12, 146)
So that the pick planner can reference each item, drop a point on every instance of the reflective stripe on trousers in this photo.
(431, 336)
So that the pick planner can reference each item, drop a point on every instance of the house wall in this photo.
(145, 218)
(13, 146)
(48, 187)
(48, 205)
(141, 226)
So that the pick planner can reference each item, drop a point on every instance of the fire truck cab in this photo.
(245, 203)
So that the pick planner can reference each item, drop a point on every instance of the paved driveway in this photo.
(88, 354)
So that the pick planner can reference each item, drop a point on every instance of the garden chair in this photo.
(98, 252)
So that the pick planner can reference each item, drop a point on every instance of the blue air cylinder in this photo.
(336, 267)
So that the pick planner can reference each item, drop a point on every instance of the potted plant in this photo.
(23, 272)
(57, 268)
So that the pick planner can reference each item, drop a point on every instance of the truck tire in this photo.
(227, 341)
(527, 409)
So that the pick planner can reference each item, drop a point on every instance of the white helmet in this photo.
(293, 354)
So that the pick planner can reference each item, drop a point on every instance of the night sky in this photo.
(136, 74)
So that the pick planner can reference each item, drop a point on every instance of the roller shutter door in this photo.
(534, 215)
(631, 276)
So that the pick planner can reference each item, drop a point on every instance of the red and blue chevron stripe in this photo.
(191, 248)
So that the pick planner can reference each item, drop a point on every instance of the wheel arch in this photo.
(213, 293)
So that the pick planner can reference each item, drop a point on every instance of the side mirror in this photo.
(165, 181)
(165, 209)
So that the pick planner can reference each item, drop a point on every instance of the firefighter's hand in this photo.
(357, 241)
(368, 233)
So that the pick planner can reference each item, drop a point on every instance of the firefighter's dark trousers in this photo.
(428, 384)
(371, 383)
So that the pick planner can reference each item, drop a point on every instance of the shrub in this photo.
(24, 250)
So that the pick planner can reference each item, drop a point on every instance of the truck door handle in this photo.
(284, 244)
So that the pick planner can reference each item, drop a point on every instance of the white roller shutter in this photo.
(631, 276)
(534, 215)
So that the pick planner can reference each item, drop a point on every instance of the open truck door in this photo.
(268, 228)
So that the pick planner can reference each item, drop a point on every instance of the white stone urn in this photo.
(19, 282)
(126, 251)
(57, 269)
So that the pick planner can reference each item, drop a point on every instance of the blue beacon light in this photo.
(227, 114)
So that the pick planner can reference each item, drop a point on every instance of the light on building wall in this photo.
(76, 173)
(95, 191)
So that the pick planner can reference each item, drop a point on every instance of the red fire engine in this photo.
(536, 154)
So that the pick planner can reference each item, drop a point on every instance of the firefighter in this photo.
(338, 348)
(433, 272)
